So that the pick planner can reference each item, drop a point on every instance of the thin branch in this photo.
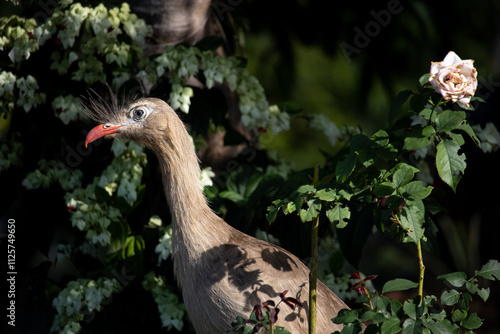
(314, 264)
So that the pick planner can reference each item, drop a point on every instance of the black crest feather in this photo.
(105, 107)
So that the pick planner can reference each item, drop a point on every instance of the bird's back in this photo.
(231, 278)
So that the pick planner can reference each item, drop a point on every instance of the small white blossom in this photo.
(322, 123)
(170, 309)
(164, 247)
(206, 176)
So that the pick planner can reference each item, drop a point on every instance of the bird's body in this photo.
(223, 273)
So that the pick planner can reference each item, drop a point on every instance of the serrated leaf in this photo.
(456, 279)
(383, 305)
(412, 220)
(312, 210)
(345, 167)
(346, 316)
(306, 188)
(326, 194)
(449, 163)
(398, 284)
(339, 214)
(484, 293)
(232, 196)
(465, 127)
(391, 326)
(414, 308)
(441, 327)
(450, 297)
(458, 315)
(381, 138)
(273, 209)
(384, 189)
(411, 326)
(449, 120)
(419, 137)
(415, 191)
(472, 321)
(403, 174)
(490, 270)
(424, 79)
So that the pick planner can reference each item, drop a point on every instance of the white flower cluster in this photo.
(53, 171)
(67, 108)
(206, 176)
(10, 152)
(322, 123)
(489, 137)
(102, 28)
(29, 93)
(164, 247)
(170, 309)
(18, 35)
(7, 83)
(80, 297)
(183, 62)
(122, 176)
(180, 97)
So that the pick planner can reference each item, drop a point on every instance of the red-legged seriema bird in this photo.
(222, 272)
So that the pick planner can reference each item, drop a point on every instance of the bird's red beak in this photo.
(100, 131)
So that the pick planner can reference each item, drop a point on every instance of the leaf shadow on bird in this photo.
(222, 272)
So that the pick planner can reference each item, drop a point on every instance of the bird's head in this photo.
(144, 120)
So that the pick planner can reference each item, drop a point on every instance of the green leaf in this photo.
(398, 284)
(456, 279)
(465, 127)
(404, 173)
(346, 316)
(411, 326)
(412, 220)
(458, 315)
(232, 196)
(419, 137)
(424, 79)
(449, 163)
(472, 321)
(450, 297)
(273, 209)
(312, 210)
(441, 327)
(383, 305)
(391, 326)
(339, 214)
(306, 188)
(400, 99)
(380, 138)
(449, 120)
(490, 270)
(415, 191)
(414, 308)
(326, 194)
(345, 167)
(484, 293)
(384, 189)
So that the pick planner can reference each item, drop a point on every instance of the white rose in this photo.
(455, 79)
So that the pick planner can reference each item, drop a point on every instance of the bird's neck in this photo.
(196, 228)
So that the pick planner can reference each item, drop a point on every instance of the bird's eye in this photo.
(138, 114)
